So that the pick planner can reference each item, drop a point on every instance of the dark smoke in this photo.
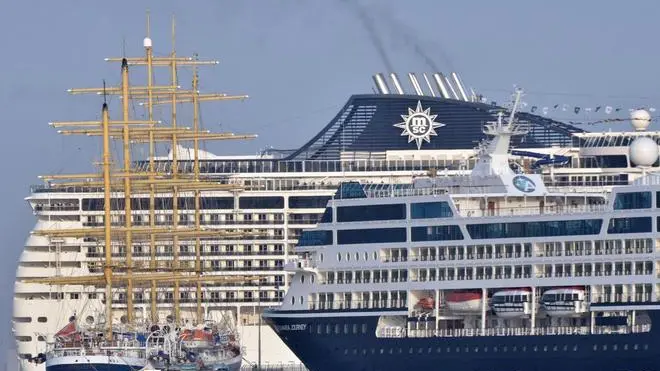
(368, 24)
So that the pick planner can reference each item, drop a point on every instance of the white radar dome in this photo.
(643, 151)
(147, 42)
(640, 119)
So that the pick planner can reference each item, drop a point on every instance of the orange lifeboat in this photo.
(464, 301)
(427, 303)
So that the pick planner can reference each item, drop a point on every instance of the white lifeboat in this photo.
(512, 303)
(464, 301)
(197, 338)
(564, 302)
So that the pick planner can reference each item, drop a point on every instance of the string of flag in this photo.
(606, 109)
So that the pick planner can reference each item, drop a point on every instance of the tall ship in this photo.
(251, 210)
(494, 270)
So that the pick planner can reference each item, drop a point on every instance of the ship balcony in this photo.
(300, 264)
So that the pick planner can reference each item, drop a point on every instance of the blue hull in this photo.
(93, 367)
(365, 352)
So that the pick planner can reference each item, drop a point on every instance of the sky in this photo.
(299, 61)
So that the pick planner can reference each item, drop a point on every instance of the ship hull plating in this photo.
(319, 350)
(95, 363)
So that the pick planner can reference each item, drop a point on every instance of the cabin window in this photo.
(426, 210)
(438, 233)
(315, 238)
(630, 225)
(376, 235)
(632, 200)
(371, 212)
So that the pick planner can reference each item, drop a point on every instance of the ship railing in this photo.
(535, 210)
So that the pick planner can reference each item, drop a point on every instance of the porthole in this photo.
(375, 255)
(321, 257)
(439, 350)
(575, 347)
(355, 328)
(302, 278)
(312, 277)
(495, 349)
(382, 350)
(504, 349)
(338, 256)
(476, 349)
(301, 300)
(430, 350)
(318, 329)
(42, 319)
(337, 328)
(293, 300)
(345, 351)
(565, 347)
(391, 351)
(420, 350)
(366, 256)
(605, 347)
(625, 346)
(348, 257)
(328, 329)
(41, 338)
(346, 328)
(357, 256)
(448, 350)
(595, 347)
(400, 350)
(466, 349)
(536, 349)
(646, 347)
(554, 348)
(545, 348)
(410, 351)
(364, 352)
(615, 347)
(635, 346)
(515, 349)
(355, 351)
(485, 349)
(524, 348)
(364, 328)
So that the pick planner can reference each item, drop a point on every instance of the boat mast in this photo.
(107, 269)
(128, 244)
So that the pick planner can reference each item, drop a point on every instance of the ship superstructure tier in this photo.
(266, 200)
(491, 270)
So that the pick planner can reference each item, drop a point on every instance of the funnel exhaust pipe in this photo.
(381, 85)
(439, 81)
(415, 83)
(397, 84)
(428, 83)
(461, 90)
(454, 95)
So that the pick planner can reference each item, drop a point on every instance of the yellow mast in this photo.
(175, 170)
(128, 244)
(107, 269)
(198, 248)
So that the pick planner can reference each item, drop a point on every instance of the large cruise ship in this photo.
(275, 196)
(494, 270)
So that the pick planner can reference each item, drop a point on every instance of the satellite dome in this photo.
(640, 119)
(643, 151)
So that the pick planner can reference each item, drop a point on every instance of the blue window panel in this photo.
(350, 190)
(632, 200)
(213, 203)
(426, 210)
(371, 212)
(315, 238)
(630, 225)
(327, 215)
(535, 229)
(376, 235)
(308, 202)
(275, 202)
(436, 233)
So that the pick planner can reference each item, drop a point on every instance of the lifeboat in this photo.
(464, 301)
(197, 338)
(427, 303)
(564, 302)
(512, 303)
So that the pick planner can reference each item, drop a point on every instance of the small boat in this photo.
(427, 303)
(464, 301)
(564, 302)
(512, 303)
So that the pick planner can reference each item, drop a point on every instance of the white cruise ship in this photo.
(277, 195)
(487, 271)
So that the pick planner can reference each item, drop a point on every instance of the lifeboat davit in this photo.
(564, 302)
(464, 301)
(512, 303)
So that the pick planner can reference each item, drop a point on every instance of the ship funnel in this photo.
(454, 95)
(397, 84)
(461, 90)
(381, 84)
(415, 83)
(440, 82)
(428, 83)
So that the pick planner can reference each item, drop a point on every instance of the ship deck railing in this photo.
(513, 331)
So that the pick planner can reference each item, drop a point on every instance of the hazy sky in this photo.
(299, 60)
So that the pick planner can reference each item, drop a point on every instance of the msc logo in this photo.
(523, 184)
(418, 125)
